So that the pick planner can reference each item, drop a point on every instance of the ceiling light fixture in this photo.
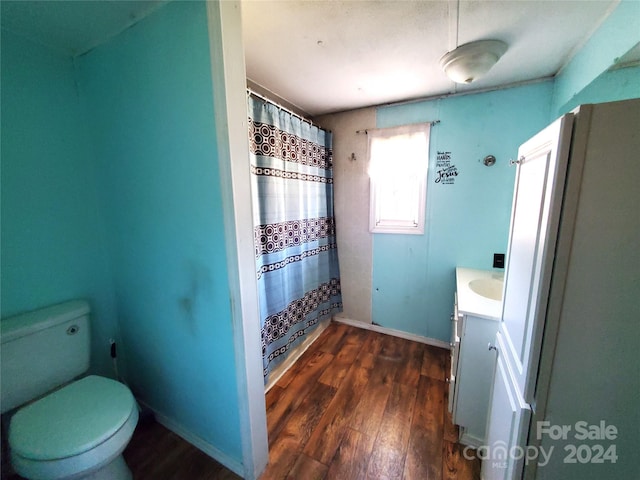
(472, 60)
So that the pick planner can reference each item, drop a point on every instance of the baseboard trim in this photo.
(198, 442)
(294, 355)
(471, 441)
(395, 333)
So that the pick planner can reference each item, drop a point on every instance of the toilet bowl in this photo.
(78, 432)
(61, 427)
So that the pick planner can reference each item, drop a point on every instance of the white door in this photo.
(539, 187)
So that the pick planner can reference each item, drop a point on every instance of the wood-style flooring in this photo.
(356, 405)
(156, 453)
(363, 405)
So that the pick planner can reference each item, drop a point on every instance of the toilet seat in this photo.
(79, 427)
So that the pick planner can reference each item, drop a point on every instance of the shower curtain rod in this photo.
(275, 104)
(367, 130)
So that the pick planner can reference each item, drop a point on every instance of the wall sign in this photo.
(446, 172)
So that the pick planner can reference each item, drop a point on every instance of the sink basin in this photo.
(490, 288)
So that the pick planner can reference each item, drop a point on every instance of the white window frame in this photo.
(380, 163)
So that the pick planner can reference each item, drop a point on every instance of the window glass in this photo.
(398, 162)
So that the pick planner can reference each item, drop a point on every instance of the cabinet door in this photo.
(455, 351)
(474, 379)
(507, 426)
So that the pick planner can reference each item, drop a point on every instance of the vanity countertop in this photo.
(472, 303)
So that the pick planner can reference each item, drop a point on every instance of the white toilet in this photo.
(75, 432)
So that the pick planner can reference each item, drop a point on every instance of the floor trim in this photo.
(198, 442)
(395, 333)
(294, 355)
(471, 441)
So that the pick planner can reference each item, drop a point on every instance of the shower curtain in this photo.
(294, 228)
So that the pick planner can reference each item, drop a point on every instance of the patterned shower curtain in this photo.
(294, 228)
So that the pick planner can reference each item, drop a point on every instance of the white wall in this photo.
(351, 194)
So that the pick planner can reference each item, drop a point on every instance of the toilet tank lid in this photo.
(30, 322)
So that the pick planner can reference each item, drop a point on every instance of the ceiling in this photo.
(73, 27)
(324, 56)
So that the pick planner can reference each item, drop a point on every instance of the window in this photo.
(398, 162)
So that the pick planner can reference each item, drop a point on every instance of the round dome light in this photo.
(472, 60)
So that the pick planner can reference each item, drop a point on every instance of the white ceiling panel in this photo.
(324, 56)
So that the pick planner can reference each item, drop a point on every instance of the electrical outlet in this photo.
(498, 260)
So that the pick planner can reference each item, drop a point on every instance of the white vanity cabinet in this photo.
(475, 323)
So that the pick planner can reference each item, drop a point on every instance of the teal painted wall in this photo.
(621, 84)
(149, 106)
(616, 36)
(414, 275)
(53, 235)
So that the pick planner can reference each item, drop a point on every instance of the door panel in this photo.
(535, 217)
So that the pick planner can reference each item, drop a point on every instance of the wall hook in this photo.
(352, 157)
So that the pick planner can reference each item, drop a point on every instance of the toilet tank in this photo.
(42, 350)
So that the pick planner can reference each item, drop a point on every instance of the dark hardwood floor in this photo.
(362, 405)
(356, 405)
(156, 453)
